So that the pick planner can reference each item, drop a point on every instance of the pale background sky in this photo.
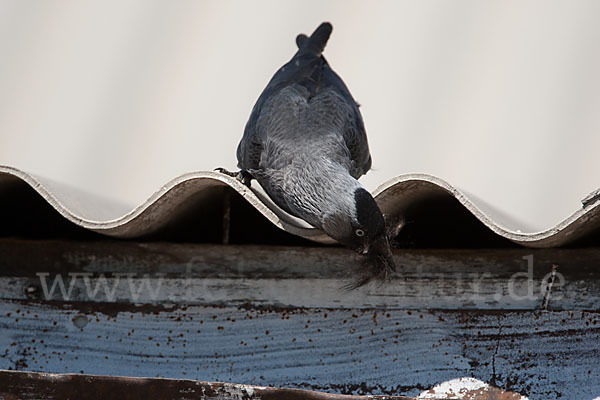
(117, 97)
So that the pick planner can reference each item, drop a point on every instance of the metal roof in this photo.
(396, 197)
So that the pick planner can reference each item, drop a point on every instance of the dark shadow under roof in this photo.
(214, 208)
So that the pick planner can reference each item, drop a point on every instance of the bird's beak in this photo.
(380, 250)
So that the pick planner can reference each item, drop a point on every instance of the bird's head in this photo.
(361, 227)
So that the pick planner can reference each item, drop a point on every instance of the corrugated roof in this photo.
(410, 194)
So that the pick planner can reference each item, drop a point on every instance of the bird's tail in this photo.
(315, 44)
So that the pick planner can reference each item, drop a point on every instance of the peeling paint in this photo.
(467, 388)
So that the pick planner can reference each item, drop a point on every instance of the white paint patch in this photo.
(236, 391)
(462, 388)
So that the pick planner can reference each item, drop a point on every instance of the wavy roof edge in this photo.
(394, 197)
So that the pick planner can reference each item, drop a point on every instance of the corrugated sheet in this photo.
(397, 198)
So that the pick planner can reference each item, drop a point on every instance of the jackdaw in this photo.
(305, 143)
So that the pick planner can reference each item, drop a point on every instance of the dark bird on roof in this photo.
(305, 143)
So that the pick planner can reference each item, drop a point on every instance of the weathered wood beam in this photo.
(353, 351)
(265, 276)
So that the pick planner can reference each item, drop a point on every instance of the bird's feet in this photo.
(226, 172)
(241, 175)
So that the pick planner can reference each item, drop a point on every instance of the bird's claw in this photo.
(241, 175)
(226, 172)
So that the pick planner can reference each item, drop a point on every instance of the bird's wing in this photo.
(300, 70)
(308, 71)
(353, 131)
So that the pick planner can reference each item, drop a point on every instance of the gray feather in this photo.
(304, 101)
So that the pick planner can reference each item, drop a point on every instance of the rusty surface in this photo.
(30, 385)
(349, 351)
(378, 341)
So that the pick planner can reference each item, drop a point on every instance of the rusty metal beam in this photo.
(31, 385)
(17, 385)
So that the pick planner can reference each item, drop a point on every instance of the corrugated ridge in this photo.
(394, 197)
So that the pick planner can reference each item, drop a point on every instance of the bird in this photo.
(306, 145)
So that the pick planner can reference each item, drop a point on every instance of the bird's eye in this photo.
(359, 232)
